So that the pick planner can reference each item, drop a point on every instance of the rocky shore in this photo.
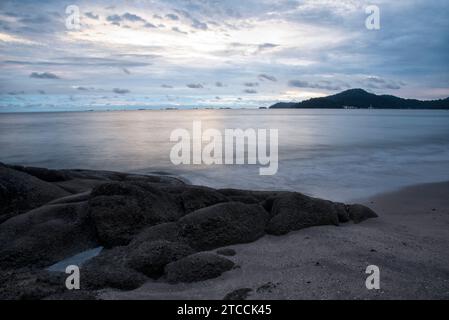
(152, 228)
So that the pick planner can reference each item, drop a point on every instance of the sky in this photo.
(217, 53)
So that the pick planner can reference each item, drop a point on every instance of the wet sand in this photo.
(409, 243)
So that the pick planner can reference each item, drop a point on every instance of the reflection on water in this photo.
(338, 154)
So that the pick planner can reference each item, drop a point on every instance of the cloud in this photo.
(126, 71)
(380, 83)
(92, 15)
(176, 29)
(132, 17)
(266, 46)
(250, 91)
(82, 88)
(120, 91)
(44, 75)
(199, 25)
(267, 77)
(172, 16)
(167, 86)
(149, 25)
(251, 84)
(194, 86)
(41, 91)
(219, 84)
(322, 84)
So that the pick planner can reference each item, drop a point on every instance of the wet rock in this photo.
(24, 284)
(46, 235)
(121, 210)
(296, 211)
(359, 213)
(168, 231)
(195, 198)
(223, 224)
(239, 294)
(110, 270)
(43, 173)
(150, 258)
(20, 192)
(197, 267)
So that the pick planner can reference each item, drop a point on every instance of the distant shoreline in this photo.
(218, 109)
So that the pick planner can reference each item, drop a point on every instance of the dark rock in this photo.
(20, 192)
(79, 197)
(150, 258)
(342, 212)
(195, 198)
(197, 267)
(239, 294)
(267, 287)
(359, 213)
(110, 270)
(296, 211)
(226, 252)
(223, 224)
(165, 231)
(24, 284)
(43, 173)
(46, 235)
(121, 210)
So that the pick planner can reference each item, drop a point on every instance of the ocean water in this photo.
(335, 154)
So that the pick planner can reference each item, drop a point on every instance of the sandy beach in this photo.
(408, 242)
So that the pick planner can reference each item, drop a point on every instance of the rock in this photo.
(116, 218)
(197, 267)
(267, 287)
(342, 212)
(359, 213)
(226, 252)
(79, 197)
(223, 224)
(43, 173)
(120, 210)
(239, 294)
(194, 198)
(20, 192)
(24, 284)
(110, 270)
(150, 258)
(165, 231)
(46, 235)
(296, 211)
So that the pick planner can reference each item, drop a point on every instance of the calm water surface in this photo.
(337, 154)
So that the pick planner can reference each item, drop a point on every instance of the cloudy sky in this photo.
(222, 52)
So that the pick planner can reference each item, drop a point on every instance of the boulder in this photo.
(24, 284)
(20, 192)
(46, 235)
(150, 258)
(239, 294)
(223, 224)
(43, 173)
(194, 198)
(359, 213)
(110, 270)
(168, 231)
(197, 267)
(120, 210)
(296, 211)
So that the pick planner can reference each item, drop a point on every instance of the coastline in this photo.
(243, 244)
(408, 241)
